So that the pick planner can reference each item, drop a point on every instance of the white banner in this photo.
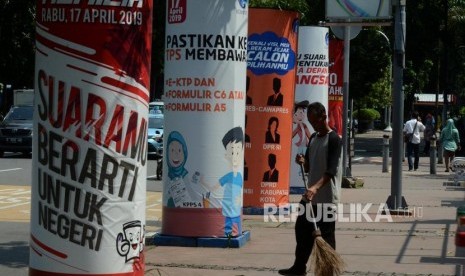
(205, 72)
(90, 138)
(312, 80)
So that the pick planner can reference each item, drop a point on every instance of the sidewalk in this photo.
(419, 245)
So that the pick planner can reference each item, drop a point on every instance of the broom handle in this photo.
(303, 175)
(306, 187)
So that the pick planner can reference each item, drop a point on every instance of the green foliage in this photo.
(158, 35)
(368, 114)
(462, 111)
(300, 6)
(370, 69)
(158, 48)
(416, 79)
(435, 33)
(17, 29)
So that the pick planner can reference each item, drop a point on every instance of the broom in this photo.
(324, 260)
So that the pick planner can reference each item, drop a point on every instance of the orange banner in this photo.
(272, 44)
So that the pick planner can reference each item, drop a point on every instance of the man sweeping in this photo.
(323, 162)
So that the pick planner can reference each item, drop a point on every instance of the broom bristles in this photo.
(325, 261)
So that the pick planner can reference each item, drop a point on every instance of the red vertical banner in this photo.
(335, 91)
(92, 79)
(272, 44)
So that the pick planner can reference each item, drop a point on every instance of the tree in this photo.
(300, 5)
(456, 28)
(17, 29)
(370, 69)
(158, 48)
(440, 25)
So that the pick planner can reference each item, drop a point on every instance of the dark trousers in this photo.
(427, 147)
(413, 155)
(303, 234)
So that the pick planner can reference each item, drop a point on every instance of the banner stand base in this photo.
(223, 242)
(259, 211)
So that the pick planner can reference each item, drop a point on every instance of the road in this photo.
(15, 181)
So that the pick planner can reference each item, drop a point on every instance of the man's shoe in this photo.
(292, 272)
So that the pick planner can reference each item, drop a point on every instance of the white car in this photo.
(157, 107)
(155, 141)
(155, 134)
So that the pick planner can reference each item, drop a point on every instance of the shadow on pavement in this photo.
(452, 203)
(14, 254)
(17, 155)
(368, 146)
(446, 256)
(427, 175)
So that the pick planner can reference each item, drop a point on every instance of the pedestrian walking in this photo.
(412, 129)
(428, 133)
(323, 162)
(450, 141)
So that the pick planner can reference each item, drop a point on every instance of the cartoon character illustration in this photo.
(130, 243)
(176, 158)
(232, 182)
(301, 132)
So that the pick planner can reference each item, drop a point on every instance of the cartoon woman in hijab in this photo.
(176, 158)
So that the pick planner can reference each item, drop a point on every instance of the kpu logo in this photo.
(243, 3)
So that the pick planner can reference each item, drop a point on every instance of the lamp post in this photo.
(446, 63)
(388, 128)
(387, 108)
(396, 201)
